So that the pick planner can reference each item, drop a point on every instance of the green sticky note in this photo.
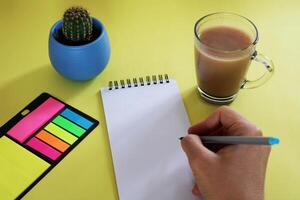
(69, 126)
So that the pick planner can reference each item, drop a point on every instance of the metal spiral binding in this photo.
(135, 82)
(110, 85)
(122, 83)
(116, 84)
(141, 81)
(154, 79)
(128, 83)
(148, 80)
(167, 78)
(160, 78)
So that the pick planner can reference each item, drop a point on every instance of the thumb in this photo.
(195, 151)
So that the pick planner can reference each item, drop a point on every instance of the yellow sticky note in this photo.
(61, 133)
(18, 168)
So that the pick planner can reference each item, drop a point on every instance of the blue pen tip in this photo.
(273, 140)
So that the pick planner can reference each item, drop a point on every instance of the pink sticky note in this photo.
(43, 148)
(35, 119)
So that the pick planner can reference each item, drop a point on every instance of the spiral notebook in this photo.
(145, 118)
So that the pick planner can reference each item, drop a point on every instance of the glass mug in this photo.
(221, 70)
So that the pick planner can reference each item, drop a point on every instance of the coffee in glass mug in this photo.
(224, 48)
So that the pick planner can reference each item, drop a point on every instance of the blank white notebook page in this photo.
(144, 124)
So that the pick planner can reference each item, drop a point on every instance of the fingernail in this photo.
(180, 138)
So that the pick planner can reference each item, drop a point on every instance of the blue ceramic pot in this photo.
(82, 62)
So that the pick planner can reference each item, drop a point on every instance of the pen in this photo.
(257, 140)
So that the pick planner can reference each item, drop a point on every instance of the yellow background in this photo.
(150, 37)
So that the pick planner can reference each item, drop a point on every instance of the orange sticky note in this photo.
(52, 141)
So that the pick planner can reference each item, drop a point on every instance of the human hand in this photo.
(232, 172)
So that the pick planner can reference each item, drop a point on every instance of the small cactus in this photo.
(77, 25)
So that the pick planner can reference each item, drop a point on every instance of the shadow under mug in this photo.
(221, 73)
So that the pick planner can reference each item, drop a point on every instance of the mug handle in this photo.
(268, 63)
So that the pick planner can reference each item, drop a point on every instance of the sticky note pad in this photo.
(68, 125)
(34, 120)
(18, 166)
(33, 143)
(61, 133)
(43, 148)
(52, 141)
(76, 118)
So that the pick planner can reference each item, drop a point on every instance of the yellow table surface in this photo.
(150, 37)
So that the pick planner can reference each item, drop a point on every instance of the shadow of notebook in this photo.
(144, 124)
